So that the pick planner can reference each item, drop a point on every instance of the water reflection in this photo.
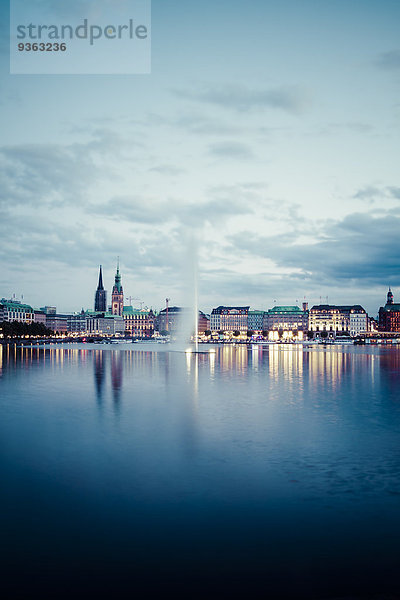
(285, 360)
(390, 373)
(116, 374)
(233, 358)
(331, 363)
(99, 374)
(256, 454)
(299, 368)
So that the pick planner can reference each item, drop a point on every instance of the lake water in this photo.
(136, 470)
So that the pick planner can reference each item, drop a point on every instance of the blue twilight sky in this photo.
(268, 131)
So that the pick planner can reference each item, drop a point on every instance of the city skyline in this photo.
(269, 132)
(119, 300)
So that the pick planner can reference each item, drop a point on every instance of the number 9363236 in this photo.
(42, 47)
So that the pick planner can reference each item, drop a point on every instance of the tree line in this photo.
(17, 329)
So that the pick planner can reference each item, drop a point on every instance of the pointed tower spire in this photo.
(100, 299)
(100, 286)
(389, 297)
(117, 298)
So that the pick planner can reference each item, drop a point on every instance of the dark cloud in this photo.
(360, 249)
(195, 122)
(205, 125)
(231, 150)
(40, 174)
(167, 170)
(394, 192)
(353, 126)
(372, 192)
(223, 203)
(290, 99)
(368, 193)
(54, 174)
(389, 60)
(80, 245)
(135, 209)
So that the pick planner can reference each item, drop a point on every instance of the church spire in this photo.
(100, 299)
(389, 297)
(100, 285)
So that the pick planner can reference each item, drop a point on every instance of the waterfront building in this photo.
(358, 321)
(39, 317)
(175, 316)
(389, 315)
(76, 323)
(14, 310)
(329, 320)
(57, 323)
(286, 322)
(229, 318)
(104, 324)
(373, 325)
(117, 296)
(255, 320)
(204, 322)
(138, 323)
(174, 319)
(100, 300)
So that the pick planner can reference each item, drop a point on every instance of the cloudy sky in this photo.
(267, 131)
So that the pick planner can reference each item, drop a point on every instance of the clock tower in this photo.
(117, 296)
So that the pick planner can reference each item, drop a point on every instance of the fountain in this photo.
(189, 324)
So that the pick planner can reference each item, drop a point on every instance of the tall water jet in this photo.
(188, 326)
(196, 299)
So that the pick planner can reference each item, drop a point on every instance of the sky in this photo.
(265, 140)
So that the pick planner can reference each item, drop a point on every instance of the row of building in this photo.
(280, 322)
(322, 320)
(293, 322)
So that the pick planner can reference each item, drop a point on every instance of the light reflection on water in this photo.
(244, 464)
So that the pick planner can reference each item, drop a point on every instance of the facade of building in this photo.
(229, 318)
(204, 322)
(57, 323)
(330, 320)
(256, 320)
(76, 323)
(359, 322)
(373, 325)
(286, 321)
(389, 315)
(138, 323)
(39, 317)
(13, 310)
(117, 296)
(105, 324)
(49, 310)
(170, 324)
(176, 314)
(100, 299)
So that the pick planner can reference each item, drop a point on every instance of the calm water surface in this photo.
(135, 470)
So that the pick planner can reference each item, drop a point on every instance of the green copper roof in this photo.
(282, 309)
(392, 307)
(117, 283)
(129, 310)
(15, 305)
